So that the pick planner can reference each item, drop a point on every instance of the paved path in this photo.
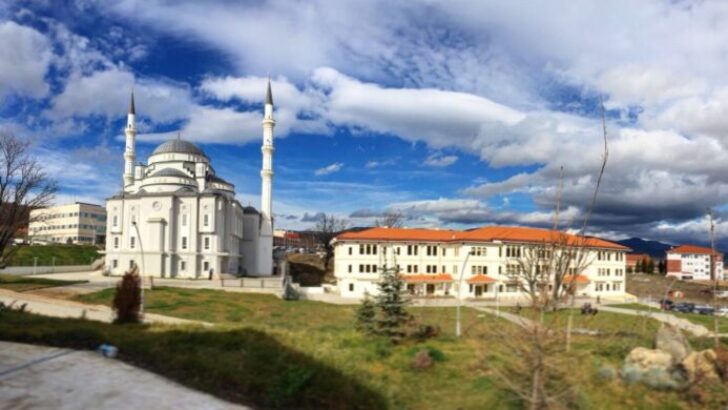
(684, 324)
(511, 317)
(38, 377)
(65, 308)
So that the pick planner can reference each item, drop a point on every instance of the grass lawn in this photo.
(271, 353)
(61, 255)
(25, 283)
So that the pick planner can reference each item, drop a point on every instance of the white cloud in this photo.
(25, 56)
(440, 161)
(106, 93)
(329, 169)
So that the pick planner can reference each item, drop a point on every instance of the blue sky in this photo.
(458, 113)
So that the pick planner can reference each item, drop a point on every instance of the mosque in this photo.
(176, 218)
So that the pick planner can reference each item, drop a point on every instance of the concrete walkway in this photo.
(37, 377)
(511, 317)
(680, 323)
(68, 309)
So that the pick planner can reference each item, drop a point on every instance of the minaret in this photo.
(265, 257)
(266, 173)
(129, 155)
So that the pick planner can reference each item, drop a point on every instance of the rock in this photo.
(422, 360)
(644, 359)
(699, 366)
(671, 340)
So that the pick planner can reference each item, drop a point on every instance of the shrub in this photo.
(128, 298)
(422, 360)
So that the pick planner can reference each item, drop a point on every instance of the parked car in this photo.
(666, 304)
(704, 309)
(684, 307)
(722, 311)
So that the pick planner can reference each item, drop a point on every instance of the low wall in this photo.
(37, 270)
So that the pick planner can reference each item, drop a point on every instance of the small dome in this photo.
(169, 172)
(178, 146)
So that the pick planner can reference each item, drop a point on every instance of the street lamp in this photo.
(141, 250)
(460, 299)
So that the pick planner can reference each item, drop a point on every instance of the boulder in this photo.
(671, 340)
(644, 359)
(700, 366)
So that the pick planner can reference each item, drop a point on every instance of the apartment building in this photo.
(77, 223)
(690, 262)
(431, 261)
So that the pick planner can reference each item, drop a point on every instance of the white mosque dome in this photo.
(178, 146)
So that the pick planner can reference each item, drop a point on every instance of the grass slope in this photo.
(25, 283)
(64, 255)
(271, 353)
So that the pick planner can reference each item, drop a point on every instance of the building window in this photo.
(184, 242)
(350, 268)
(131, 263)
(351, 250)
(184, 219)
(115, 263)
(351, 287)
(431, 250)
(132, 242)
(207, 220)
(513, 251)
(116, 243)
(115, 221)
(206, 265)
(207, 243)
(412, 250)
(182, 265)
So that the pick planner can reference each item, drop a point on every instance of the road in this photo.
(38, 377)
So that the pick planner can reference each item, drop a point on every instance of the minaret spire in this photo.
(129, 151)
(265, 261)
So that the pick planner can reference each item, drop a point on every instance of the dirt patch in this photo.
(307, 270)
(655, 286)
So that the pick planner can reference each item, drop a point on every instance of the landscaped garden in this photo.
(51, 255)
(271, 353)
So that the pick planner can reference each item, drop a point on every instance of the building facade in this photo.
(175, 217)
(77, 223)
(690, 262)
(432, 261)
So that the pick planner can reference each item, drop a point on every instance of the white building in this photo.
(176, 218)
(689, 262)
(77, 223)
(431, 260)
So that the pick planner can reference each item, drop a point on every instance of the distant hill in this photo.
(653, 248)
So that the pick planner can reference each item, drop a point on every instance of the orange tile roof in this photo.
(480, 278)
(693, 249)
(580, 279)
(427, 278)
(484, 234)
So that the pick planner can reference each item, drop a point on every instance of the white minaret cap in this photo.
(130, 148)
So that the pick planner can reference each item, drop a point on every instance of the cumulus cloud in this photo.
(25, 56)
(440, 161)
(329, 169)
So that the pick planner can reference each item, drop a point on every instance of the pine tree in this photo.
(366, 315)
(392, 302)
(638, 266)
(661, 267)
(650, 266)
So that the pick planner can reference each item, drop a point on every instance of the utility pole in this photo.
(713, 276)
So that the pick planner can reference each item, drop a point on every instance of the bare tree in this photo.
(327, 227)
(390, 219)
(24, 186)
(546, 272)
